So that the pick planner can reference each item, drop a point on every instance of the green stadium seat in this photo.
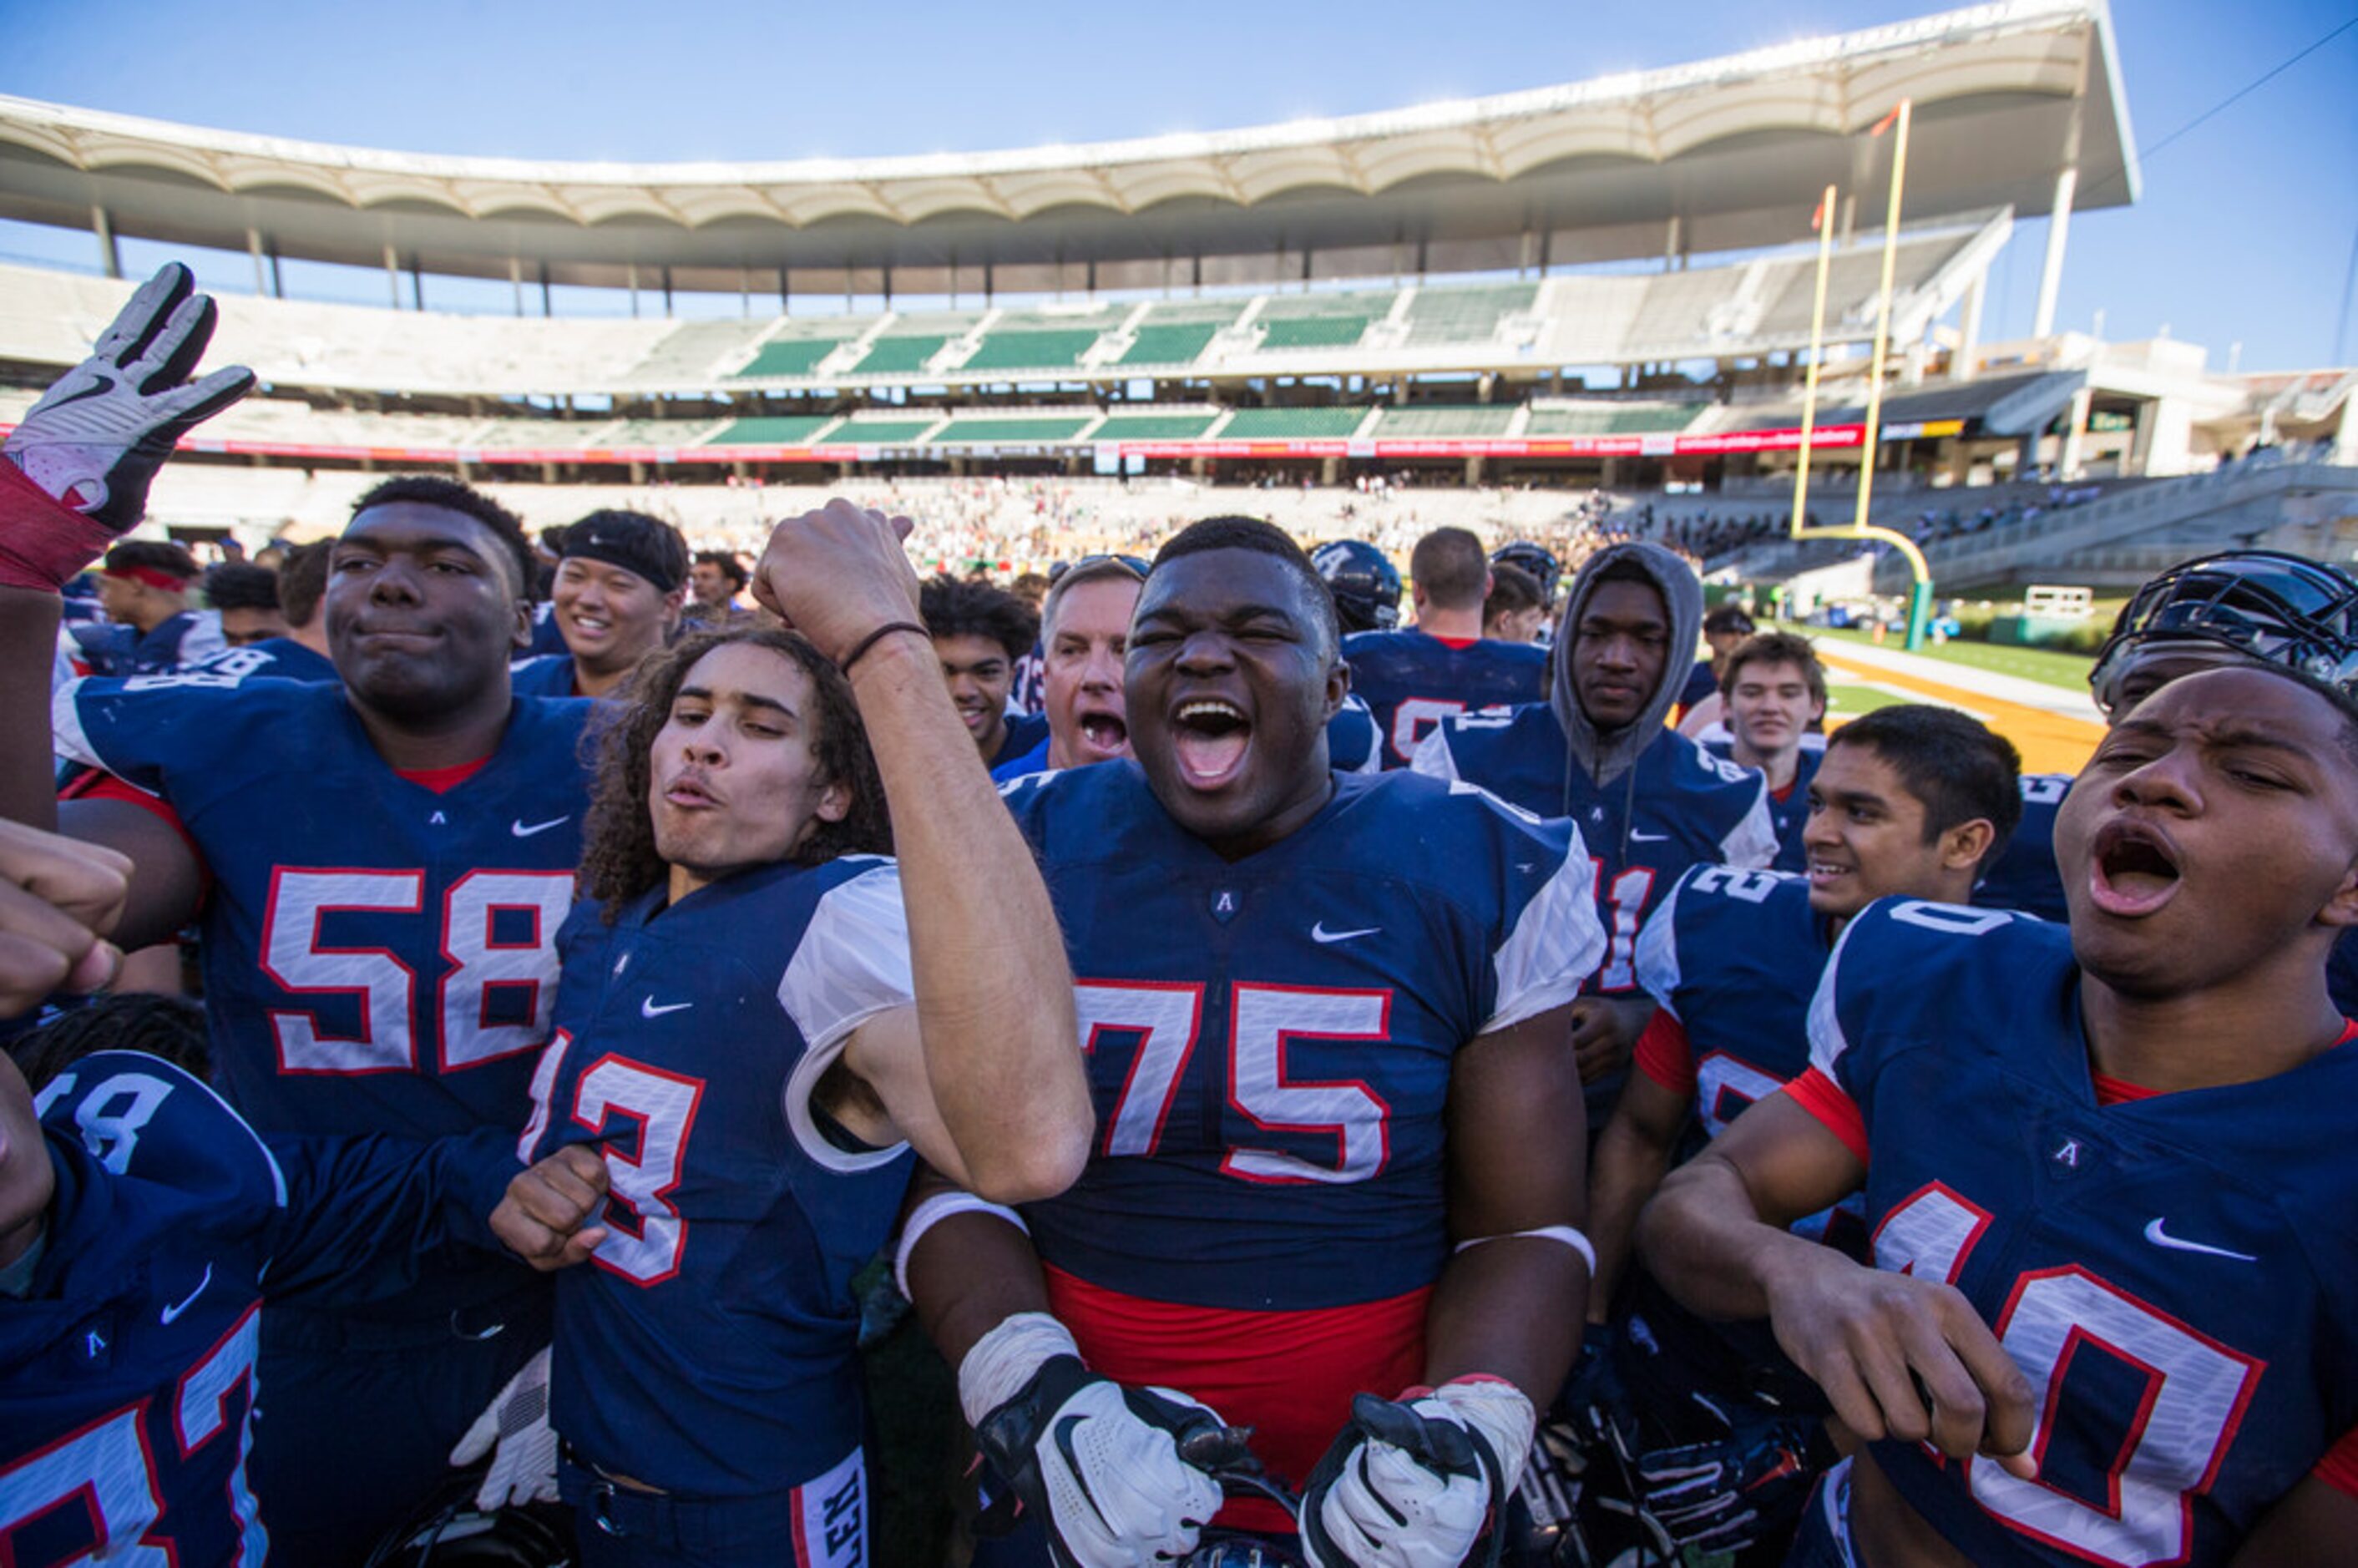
(1638, 419)
(900, 356)
(1465, 315)
(1316, 333)
(1464, 420)
(1177, 343)
(1059, 428)
(1152, 427)
(1291, 424)
(881, 432)
(769, 431)
(789, 356)
(1032, 349)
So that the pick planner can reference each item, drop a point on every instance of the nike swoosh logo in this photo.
(2155, 1234)
(176, 1310)
(521, 830)
(1637, 837)
(1318, 933)
(648, 1009)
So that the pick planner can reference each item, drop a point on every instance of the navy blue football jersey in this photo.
(709, 1349)
(1412, 680)
(127, 1367)
(1678, 807)
(1789, 813)
(1354, 743)
(2177, 1275)
(1269, 1047)
(274, 658)
(378, 956)
(1732, 959)
(547, 637)
(2024, 876)
(1023, 732)
(543, 675)
(1030, 692)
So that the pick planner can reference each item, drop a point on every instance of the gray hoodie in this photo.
(1605, 756)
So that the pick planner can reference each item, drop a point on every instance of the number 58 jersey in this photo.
(2176, 1274)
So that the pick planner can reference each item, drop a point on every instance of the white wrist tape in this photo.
(1498, 1410)
(1564, 1232)
(1003, 1360)
(935, 1210)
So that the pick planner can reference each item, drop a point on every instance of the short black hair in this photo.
(730, 567)
(433, 489)
(235, 585)
(1957, 767)
(1261, 537)
(152, 556)
(303, 581)
(952, 608)
(1512, 589)
(1449, 564)
(168, 1026)
(1729, 618)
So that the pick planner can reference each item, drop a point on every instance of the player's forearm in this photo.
(28, 643)
(1704, 1239)
(1510, 1308)
(993, 990)
(966, 1275)
(1628, 1169)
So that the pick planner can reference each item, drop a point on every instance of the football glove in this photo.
(1409, 1484)
(96, 438)
(1097, 1462)
(1595, 1402)
(514, 1429)
(1731, 1493)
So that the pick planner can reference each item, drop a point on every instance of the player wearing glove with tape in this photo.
(1337, 1156)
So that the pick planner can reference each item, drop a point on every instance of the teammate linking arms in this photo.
(2106, 1170)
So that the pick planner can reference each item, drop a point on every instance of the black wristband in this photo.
(861, 649)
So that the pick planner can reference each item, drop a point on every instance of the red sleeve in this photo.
(1664, 1055)
(2339, 1468)
(1825, 1099)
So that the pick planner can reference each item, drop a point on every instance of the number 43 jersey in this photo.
(2176, 1274)
(1269, 1045)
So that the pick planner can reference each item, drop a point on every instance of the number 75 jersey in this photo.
(2177, 1275)
(1270, 1039)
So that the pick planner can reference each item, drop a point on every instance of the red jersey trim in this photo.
(2118, 1091)
(1454, 645)
(1664, 1054)
(442, 781)
(2339, 1468)
(1825, 1099)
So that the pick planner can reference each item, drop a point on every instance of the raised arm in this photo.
(999, 1102)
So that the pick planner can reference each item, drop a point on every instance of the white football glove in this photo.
(97, 436)
(514, 1429)
(1411, 1484)
(1098, 1462)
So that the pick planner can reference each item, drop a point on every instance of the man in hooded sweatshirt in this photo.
(1648, 801)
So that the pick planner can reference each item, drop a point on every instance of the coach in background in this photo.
(1084, 630)
(615, 599)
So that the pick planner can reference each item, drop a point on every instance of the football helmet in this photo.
(1536, 559)
(1365, 586)
(2265, 606)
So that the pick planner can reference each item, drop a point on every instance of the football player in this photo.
(755, 1034)
(245, 599)
(1649, 802)
(1514, 611)
(380, 868)
(1364, 583)
(714, 581)
(1775, 694)
(980, 632)
(1911, 800)
(1699, 700)
(300, 652)
(1084, 626)
(150, 627)
(1324, 1018)
(2105, 1168)
(616, 599)
(1414, 678)
(142, 1223)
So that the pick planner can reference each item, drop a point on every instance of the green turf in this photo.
(1850, 701)
(2066, 671)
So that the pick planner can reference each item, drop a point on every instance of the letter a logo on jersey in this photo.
(2067, 1155)
(1224, 905)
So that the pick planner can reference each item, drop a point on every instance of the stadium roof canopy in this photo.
(1723, 155)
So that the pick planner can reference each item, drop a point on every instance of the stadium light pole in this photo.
(1920, 598)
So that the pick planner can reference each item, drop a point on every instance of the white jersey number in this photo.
(1330, 1133)
(645, 1234)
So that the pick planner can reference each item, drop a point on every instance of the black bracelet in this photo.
(877, 636)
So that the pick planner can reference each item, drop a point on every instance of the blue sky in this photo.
(2245, 233)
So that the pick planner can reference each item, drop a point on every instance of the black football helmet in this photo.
(1536, 559)
(447, 1530)
(1365, 586)
(2264, 606)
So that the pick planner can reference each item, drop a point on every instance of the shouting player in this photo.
(755, 1034)
(1910, 803)
(1326, 1022)
(1084, 627)
(2106, 1175)
(1649, 802)
(1415, 677)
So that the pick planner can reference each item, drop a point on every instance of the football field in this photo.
(2055, 728)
